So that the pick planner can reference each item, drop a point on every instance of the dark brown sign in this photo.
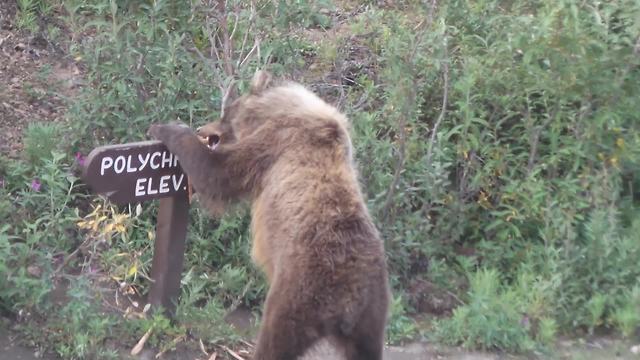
(141, 171)
(134, 172)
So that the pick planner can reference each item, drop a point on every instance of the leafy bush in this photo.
(598, 273)
(80, 328)
(627, 316)
(35, 244)
(504, 137)
(41, 140)
(501, 317)
(28, 11)
(401, 327)
(498, 144)
(41, 223)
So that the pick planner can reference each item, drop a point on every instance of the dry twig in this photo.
(202, 347)
(232, 353)
(443, 110)
(423, 26)
(140, 345)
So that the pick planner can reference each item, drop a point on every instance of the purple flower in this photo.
(80, 158)
(35, 185)
(1, 183)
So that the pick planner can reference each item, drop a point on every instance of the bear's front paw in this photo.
(163, 131)
(155, 131)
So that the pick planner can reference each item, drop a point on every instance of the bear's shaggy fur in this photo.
(289, 153)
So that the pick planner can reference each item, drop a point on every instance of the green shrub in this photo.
(400, 327)
(41, 219)
(206, 321)
(80, 327)
(27, 17)
(498, 144)
(627, 314)
(508, 318)
(41, 140)
(531, 167)
(40, 228)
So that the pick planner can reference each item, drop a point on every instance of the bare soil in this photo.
(10, 348)
(36, 76)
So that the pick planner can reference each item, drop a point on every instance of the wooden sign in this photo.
(134, 172)
(141, 171)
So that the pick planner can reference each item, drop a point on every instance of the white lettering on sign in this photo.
(143, 161)
(107, 162)
(128, 164)
(153, 164)
(150, 190)
(166, 160)
(140, 187)
(176, 185)
(129, 168)
(146, 186)
(164, 184)
(118, 165)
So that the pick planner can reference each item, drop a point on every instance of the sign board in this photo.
(134, 172)
(141, 171)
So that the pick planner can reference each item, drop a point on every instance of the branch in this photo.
(256, 45)
(402, 125)
(214, 69)
(227, 45)
(246, 36)
(426, 206)
(402, 139)
(534, 139)
(443, 110)
(226, 61)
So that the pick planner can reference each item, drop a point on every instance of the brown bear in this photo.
(289, 153)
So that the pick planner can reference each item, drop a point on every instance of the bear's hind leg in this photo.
(366, 343)
(366, 340)
(285, 334)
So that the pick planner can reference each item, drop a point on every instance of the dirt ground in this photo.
(36, 75)
(604, 349)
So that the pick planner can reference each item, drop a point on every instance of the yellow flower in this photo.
(133, 270)
(483, 200)
(614, 161)
(83, 224)
(120, 228)
(107, 229)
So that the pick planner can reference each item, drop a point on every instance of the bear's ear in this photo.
(260, 82)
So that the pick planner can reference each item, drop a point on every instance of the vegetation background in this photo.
(498, 144)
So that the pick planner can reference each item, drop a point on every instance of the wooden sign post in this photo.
(141, 171)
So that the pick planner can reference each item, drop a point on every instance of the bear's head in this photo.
(237, 119)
